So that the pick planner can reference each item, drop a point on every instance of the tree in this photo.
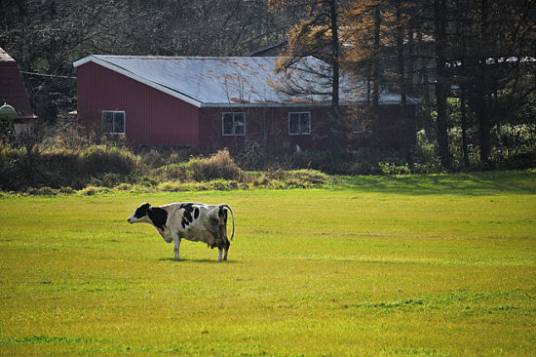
(492, 62)
(317, 34)
(47, 36)
(442, 84)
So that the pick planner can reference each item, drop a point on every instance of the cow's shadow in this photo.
(199, 261)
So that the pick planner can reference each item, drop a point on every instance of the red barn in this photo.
(13, 93)
(214, 102)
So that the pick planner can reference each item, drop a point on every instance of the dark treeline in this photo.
(471, 63)
(46, 36)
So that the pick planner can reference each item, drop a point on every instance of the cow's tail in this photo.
(232, 217)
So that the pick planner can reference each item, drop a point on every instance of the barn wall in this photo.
(266, 126)
(152, 117)
(269, 126)
(12, 90)
(398, 128)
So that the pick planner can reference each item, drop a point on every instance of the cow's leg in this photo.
(227, 245)
(177, 243)
(221, 235)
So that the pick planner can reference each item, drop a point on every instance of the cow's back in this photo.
(196, 222)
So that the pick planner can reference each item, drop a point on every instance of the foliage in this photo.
(100, 159)
(47, 36)
(252, 157)
(217, 166)
(45, 191)
(93, 190)
(322, 160)
(283, 179)
(425, 157)
(217, 185)
(392, 168)
(158, 156)
(57, 168)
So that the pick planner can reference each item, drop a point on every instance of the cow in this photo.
(196, 222)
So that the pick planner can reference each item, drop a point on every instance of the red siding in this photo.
(12, 90)
(267, 125)
(152, 117)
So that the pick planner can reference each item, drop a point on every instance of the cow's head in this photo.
(141, 214)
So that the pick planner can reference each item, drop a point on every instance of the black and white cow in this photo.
(196, 222)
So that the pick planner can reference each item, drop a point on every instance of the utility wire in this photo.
(47, 75)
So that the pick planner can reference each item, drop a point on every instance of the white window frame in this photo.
(113, 132)
(299, 124)
(234, 127)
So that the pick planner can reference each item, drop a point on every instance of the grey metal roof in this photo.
(234, 81)
(5, 57)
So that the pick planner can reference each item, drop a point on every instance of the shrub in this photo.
(157, 156)
(93, 190)
(391, 168)
(426, 157)
(180, 172)
(66, 190)
(252, 157)
(99, 159)
(89, 191)
(217, 185)
(153, 158)
(124, 187)
(304, 176)
(217, 166)
(320, 160)
(44, 191)
(60, 167)
(110, 179)
(314, 177)
(279, 179)
(170, 187)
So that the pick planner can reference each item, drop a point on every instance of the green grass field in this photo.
(439, 265)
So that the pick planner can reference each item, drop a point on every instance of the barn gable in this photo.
(12, 90)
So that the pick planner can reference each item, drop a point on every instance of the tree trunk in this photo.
(337, 127)
(461, 31)
(483, 115)
(400, 52)
(442, 86)
(465, 149)
(376, 59)
(410, 78)
(335, 55)
(369, 81)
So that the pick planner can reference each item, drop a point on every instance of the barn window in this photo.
(234, 124)
(299, 123)
(113, 122)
